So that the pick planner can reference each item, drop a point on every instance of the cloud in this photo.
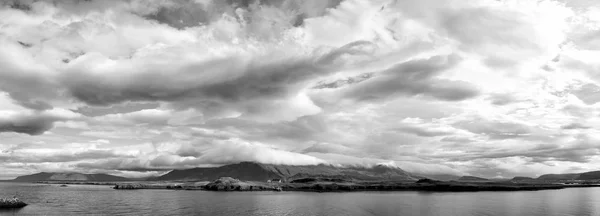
(502, 99)
(420, 128)
(185, 14)
(581, 149)
(575, 126)
(494, 129)
(329, 148)
(27, 155)
(412, 78)
(145, 116)
(232, 83)
(202, 154)
(34, 123)
(588, 93)
(231, 152)
(427, 84)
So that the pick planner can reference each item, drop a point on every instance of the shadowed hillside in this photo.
(594, 175)
(569, 176)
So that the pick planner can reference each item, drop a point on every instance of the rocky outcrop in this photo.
(8, 203)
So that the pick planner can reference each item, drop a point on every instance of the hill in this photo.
(250, 171)
(594, 175)
(568, 176)
(43, 176)
(472, 178)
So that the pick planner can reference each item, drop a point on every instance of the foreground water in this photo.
(102, 200)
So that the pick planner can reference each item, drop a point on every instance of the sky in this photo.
(492, 88)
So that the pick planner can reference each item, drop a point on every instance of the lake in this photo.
(103, 200)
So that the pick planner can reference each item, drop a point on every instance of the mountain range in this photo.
(251, 171)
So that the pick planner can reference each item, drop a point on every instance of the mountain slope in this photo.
(43, 176)
(244, 171)
(589, 175)
(249, 171)
(569, 176)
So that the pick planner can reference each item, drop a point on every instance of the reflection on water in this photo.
(84, 199)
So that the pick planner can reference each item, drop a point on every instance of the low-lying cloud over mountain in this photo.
(136, 88)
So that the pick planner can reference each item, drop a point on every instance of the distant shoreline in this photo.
(431, 186)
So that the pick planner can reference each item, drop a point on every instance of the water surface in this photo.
(102, 200)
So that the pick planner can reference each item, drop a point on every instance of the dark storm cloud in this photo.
(32, 125)
(225, 80)
(27, 102)
(415, 77)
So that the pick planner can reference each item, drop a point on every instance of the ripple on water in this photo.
(83, 199)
